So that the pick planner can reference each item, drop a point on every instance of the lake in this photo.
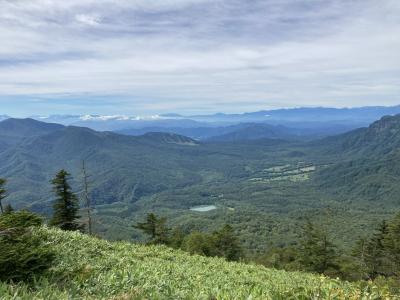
(203, 208)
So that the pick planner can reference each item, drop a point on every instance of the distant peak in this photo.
(169, 138)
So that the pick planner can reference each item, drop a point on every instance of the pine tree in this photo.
(392, 246)
(317, 253)
(66, 205)
(156, 228)
(375, 254)
(2, 193)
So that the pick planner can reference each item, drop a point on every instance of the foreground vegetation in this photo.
(89, 268)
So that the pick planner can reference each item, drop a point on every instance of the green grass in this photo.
(90, 268)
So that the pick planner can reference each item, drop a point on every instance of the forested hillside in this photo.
(368, 164)
(265, 188)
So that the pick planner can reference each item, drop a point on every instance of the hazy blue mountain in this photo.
(168, 138)
(12, 131)
(255, 132)
(26, 127)
(198, 133)
(333, 119)
(250, 131)
(3, 117)
(116, 123)
(360, 115)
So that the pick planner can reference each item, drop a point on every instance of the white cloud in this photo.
(90, 20)
(203, 54)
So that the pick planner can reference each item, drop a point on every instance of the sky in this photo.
(196, 56)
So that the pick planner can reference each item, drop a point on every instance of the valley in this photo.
(265, 188)
(197, 149)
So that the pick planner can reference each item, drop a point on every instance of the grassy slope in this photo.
(89, 268)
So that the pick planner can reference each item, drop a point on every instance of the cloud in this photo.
(186, 55)
(90, 20)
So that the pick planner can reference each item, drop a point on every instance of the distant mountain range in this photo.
(31, 151)
(4, 117)
(304, 114)
(330, 120)
(33, 146)
(168, 173)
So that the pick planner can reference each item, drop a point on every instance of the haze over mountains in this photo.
(306, 123)
(275, 175)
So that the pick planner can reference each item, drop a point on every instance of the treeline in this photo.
(374, 258)
(222, 242)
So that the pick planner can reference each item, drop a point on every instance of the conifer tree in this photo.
(317, 253)
(2, 193)
(226, 243)
(392, 246)
(66, 205)
(375, 256)
(156, 228)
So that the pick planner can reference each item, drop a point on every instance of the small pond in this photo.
(203, 208)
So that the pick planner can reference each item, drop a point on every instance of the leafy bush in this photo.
(122, 270)
(23, 255)
(20, 219)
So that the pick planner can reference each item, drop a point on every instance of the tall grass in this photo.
(90, 268)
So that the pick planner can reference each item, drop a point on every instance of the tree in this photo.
(8, 209)
(155, 227)
(2, 193)
(176, 238)
(374, 256)
(280, 258)
(199, 243)
(66, 205)
(227, 244)
(87, 200)
(392, 246)
(317, 253)
(23, 255)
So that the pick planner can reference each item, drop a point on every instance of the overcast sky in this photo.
(196, 56)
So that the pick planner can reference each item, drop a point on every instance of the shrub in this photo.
(23, 255)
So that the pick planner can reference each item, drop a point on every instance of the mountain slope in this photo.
(255, 132)
(368, 164)
(126, 167)
(168, 138)
(13, 131)
(247, 182)
(380, 138)
(26, 128)
(31, 164)
(121, 270)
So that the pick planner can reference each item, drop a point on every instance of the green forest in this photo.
(327, 207)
